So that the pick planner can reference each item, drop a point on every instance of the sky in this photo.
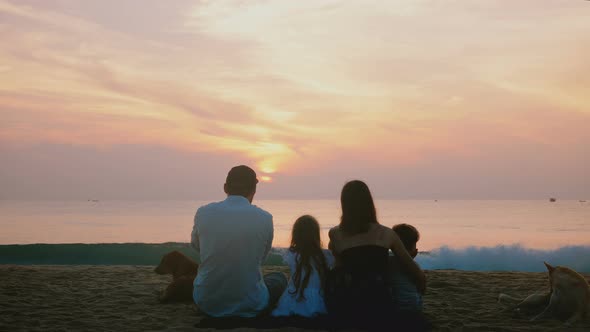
(143, 99)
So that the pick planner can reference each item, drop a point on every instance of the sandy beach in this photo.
(123, 298)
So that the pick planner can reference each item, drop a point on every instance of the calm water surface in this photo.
(534, 224)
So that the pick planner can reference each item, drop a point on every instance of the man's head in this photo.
(241, 181)
(409, 236)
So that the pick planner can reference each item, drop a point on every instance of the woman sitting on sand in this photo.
(357, 290)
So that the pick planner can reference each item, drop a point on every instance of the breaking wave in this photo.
(498, 258)
(506, 258)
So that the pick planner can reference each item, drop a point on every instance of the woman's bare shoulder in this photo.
(381, 229)
(334, 238)
(384, 233)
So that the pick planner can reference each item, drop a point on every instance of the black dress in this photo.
(358, 293)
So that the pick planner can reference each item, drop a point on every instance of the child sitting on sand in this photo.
(405, 293)
(309, 265)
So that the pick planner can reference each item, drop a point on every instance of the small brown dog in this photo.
(183, 271)
(568, 297)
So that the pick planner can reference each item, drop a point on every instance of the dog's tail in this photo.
(507, 299)
(508, 302)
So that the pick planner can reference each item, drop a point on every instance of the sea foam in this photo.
(498, 258)
(505, 258)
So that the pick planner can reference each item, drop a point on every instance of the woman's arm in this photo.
(332, 246)
(331, 243)
(408, 262)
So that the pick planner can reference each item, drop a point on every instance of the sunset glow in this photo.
(420, 98)
(265, 178)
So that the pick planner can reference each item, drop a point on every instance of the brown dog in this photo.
(568, 297)
(183, 271)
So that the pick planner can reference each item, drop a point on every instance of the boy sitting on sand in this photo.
(405, 293)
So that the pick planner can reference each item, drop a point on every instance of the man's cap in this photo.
(241, 176)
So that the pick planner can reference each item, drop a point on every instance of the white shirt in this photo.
(233, 237)
(314, 303)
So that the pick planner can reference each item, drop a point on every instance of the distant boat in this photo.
(582, 201)
(552, 199)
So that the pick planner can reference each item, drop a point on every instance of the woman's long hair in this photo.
(358, 209)
(305, 241)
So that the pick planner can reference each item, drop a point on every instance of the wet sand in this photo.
(123, 298)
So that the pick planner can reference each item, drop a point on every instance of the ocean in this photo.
(455, 234)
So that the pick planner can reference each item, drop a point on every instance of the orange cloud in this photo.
(292, 86)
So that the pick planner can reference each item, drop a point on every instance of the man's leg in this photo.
(276, 282)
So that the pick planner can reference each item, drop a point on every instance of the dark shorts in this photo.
(276, 282)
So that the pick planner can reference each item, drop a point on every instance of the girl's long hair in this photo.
(306, 242)
(358, 208)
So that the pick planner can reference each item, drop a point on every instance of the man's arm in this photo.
(269, 240)
(195, 234)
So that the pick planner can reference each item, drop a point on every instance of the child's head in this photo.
(409, 236)
(305, 237)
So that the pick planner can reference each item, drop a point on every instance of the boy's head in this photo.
(409, 236)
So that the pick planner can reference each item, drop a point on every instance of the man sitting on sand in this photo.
(234, 238)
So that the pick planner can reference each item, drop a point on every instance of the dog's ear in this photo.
(167, 264)
(549, 267)
(161, 268)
